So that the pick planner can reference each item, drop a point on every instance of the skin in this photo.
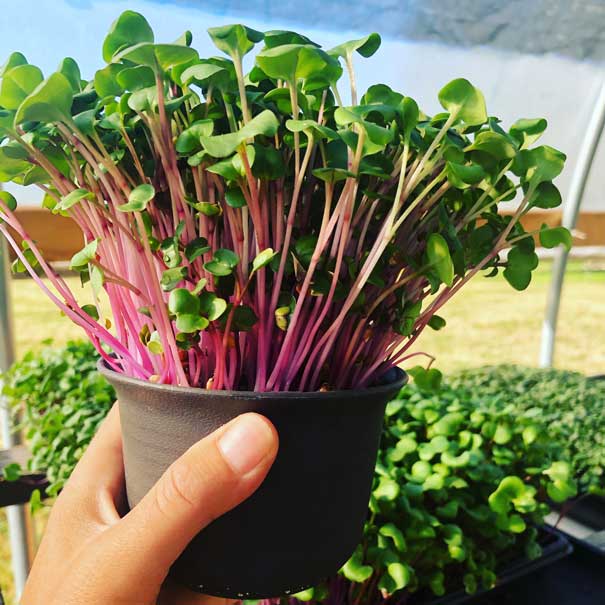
(95, 552)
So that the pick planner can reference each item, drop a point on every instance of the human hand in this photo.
(91, 555)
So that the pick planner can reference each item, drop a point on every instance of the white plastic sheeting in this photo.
(516, 84)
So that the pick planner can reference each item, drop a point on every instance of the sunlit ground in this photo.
(488, 323)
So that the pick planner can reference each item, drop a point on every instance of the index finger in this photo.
(98, 479)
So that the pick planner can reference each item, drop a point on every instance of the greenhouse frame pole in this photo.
(570, 217)
(17, 516)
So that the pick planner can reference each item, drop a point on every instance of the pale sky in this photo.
(515, 85)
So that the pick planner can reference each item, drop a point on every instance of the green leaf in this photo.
(200, 73)
(17, 84)
(406, 445)
(12, 471)
(520, 264)
(244, 318)
(35, 502)
(546, 196)
(185, 39)
(18, 266)
(400, 574)
(279, 37)
(196, 248)
(355, 570)
(461, 176)
(312, 129)
(544, 163)
(69, 68)
(439, 258)
(85, 121)
(558, 470)
(268, 163)
(493, 143)
(560, 491)
(305, 595)
(235, 198)
(182, 301)
(222, 263)
(420, 471)
(235, 40)
(332, 175)
(530, 434)
(154, 344)
(516, 524)
(426, 380)
(503, 434)
(459, 461)
(172, 277)
(238, 162)
(135, 78)
(551, 237)
(387, 489)
(366, 47)
(9, 200)
(144, 100)
(262, 259)
(106, 81)
(220, 146)
(212, 306)
(91, 311)
(291, 62)
(226, 169)
(165, 56)
(562, 487)
(72, 198)
(390, 530)
(50, 101)
(304, 248)
(81, 259)
(188, 324)
(138, 199)
(189, 140)
(208, 209)
(410, 114)
(511, 492)
(528, 131)
(436, 322)
(13, 60)
(128, 29)
(463, 100)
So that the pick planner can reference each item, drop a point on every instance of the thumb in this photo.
(211, 478)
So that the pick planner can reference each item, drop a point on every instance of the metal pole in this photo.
(17, 516)
(570, 216)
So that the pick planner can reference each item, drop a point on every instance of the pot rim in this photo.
(113, 376)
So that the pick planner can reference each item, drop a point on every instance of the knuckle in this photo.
(174, 490)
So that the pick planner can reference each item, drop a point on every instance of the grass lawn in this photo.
(488, 323)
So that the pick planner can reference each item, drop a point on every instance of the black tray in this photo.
(20, 491)
(588, 510)
(574, 580)
(555, 546)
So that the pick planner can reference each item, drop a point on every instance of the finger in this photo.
(87, 503)
(97, 482)
(212, 477)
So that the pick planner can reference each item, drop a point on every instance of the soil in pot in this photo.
(307, 517)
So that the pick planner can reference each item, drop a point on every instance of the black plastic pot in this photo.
(306, 518)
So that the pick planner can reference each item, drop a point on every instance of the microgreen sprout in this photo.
(254, 231)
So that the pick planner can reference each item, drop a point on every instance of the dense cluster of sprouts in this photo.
(251, 231)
